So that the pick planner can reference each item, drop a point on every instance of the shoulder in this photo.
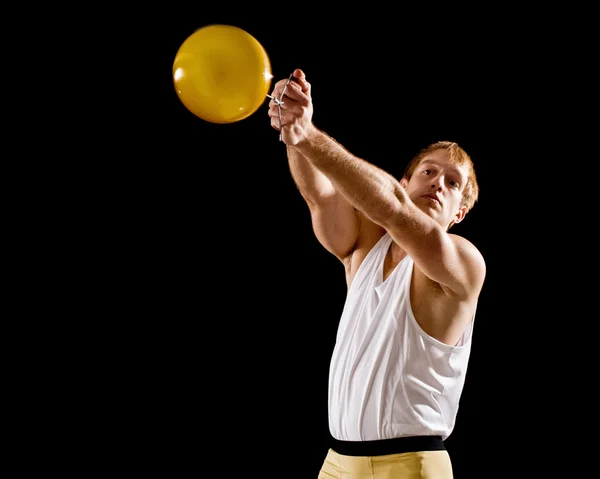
(466, 247)
(471, 259)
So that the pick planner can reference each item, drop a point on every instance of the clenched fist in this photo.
(296, 110)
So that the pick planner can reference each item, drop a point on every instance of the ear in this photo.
(460, 215)
(404, 182)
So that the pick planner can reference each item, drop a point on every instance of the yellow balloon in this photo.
(221, 73)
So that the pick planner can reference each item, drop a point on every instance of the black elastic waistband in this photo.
(388, 446)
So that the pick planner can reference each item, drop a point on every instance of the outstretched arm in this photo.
(335, 222)
(447, 259)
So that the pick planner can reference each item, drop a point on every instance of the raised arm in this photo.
(450, 260)
(447, 259)
(335, 222)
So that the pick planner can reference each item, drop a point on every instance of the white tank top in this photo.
(389, 378)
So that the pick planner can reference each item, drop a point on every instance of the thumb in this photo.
(300, 78)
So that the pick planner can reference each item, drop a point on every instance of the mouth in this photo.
(431, 198)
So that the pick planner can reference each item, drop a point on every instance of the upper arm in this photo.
(336, 224)
(447, 259)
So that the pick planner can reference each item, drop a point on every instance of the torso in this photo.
(440, 313)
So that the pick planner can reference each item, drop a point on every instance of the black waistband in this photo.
(388, 446)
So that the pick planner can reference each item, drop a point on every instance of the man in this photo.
(404, 338)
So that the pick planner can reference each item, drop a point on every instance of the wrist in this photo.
(310, 134)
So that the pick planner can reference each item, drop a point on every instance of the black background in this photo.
(178, 315)
(236, 304)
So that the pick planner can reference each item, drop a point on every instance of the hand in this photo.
(296, 109)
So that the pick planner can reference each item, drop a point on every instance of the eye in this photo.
(427, 172)
(454, 184)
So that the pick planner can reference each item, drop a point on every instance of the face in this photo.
(436, 187)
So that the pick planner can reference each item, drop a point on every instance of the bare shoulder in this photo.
(472, 261)
(445, 312)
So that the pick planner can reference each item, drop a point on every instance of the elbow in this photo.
(319, 197)
(394, 208)
(386, 216)
(391, 204)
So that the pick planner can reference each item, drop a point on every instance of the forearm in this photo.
(368, 188)
(311, 183)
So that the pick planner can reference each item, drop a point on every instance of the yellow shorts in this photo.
(407, 465)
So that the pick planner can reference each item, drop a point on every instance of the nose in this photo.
(436, 185)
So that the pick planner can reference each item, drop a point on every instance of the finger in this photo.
(289, 107)
(282, 86)
(273, 112)
(274, 101)
(282, 120)
(274, 105)
(275, 123)
(286, 117)
(300, 78)
(290, 104)
(305, 86)
(279, 87)
(295, 93)
(294, 107)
